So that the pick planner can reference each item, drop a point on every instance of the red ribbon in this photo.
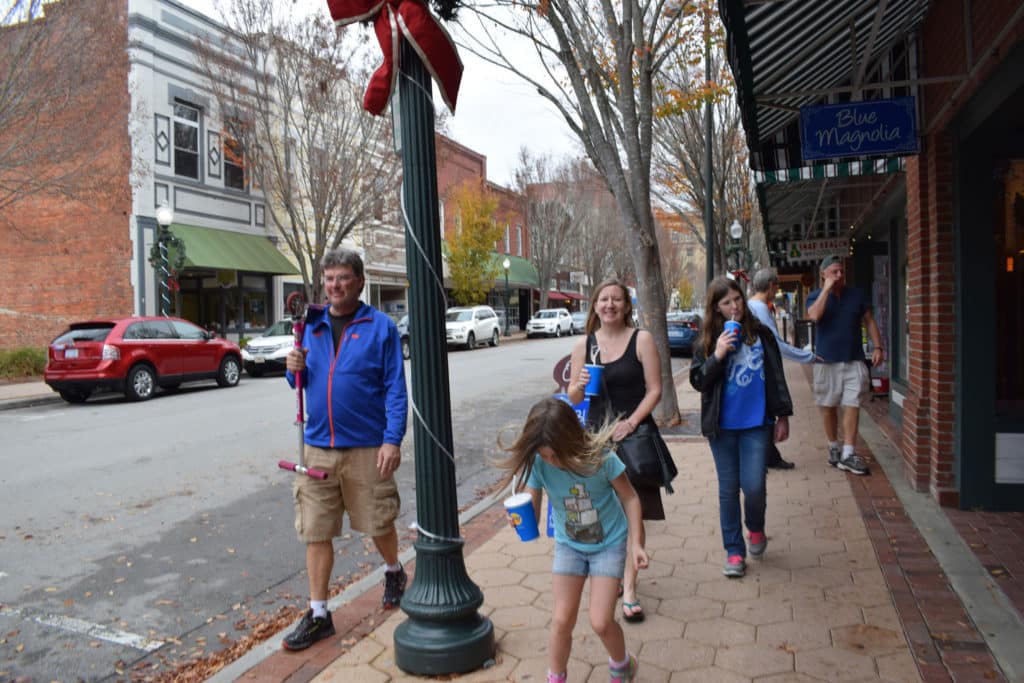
(430, 40)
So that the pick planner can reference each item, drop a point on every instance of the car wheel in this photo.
(558, 332)
(406, 349)
(75, 395)
(494, 338)
(470, 341)
(229, 372)
(140, 384)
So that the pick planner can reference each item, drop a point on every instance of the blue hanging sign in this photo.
(856, 129)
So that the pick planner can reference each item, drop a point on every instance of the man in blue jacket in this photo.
(354, 378)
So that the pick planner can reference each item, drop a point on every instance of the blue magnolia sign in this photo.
(854, 129)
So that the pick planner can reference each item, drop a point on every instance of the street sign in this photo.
(859, 129)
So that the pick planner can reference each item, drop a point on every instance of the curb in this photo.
(360, 595)
(28, 402)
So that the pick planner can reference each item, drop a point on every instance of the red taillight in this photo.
(111, 352)
(691, 325)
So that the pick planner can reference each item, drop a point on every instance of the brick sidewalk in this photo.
(846, 591)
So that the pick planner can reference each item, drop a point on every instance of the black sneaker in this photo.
(310, 630)
(394, 588)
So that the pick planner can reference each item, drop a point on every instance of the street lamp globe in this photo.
(506, 264)
(736, 230)
(164, 215)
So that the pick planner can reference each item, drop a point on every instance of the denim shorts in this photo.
(610, 561)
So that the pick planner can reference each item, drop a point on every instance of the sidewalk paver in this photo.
(816, 607)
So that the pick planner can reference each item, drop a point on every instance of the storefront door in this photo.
(990, 326)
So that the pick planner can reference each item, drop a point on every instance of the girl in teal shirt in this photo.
(598, 526)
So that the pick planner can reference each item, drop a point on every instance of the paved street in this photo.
(130, 526)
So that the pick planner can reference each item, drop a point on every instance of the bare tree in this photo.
(596, 245)
(290, 96)
(554, 207)
(596, 60)
(62, 79)
(678, 153)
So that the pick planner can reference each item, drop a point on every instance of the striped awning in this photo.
(786, 54)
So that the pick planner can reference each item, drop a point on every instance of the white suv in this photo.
(469, 325)
(268, 351)
(553, 322)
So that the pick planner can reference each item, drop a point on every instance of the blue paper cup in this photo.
(551, 521)
(733, 326)
(594, 384)
(520, 509)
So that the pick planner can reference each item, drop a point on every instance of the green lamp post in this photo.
(506, 264)
(444, 633)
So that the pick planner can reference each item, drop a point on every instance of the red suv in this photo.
(134, 356)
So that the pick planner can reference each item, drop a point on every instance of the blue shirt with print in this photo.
(588, 514)
(743, 400)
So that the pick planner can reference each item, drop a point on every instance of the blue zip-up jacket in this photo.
(355, 394)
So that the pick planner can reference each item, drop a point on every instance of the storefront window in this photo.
(1009, 270)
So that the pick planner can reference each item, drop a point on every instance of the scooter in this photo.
(299, 310)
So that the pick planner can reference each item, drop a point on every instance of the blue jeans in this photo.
(740, 460)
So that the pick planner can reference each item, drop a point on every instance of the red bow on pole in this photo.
(430, 40)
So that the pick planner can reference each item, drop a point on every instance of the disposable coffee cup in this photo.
(520, 509)
(733, 326)
(594, 384)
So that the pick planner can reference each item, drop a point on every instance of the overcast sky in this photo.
(495, 114)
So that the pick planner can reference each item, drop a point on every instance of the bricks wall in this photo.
(929, 409)
(66, 255)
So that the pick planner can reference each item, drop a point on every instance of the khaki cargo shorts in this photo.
(841, 383)
(353, 485)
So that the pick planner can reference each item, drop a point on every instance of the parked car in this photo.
(550, 322)
(134, 356)
(579, 322)
(467, 325)
(683, 328)
(403, 332)
(268, 351)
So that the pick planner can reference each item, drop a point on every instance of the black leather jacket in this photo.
(707, 376)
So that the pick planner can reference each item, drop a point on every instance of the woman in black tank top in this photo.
(631, 388)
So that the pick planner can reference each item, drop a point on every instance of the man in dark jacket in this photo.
(354, 378)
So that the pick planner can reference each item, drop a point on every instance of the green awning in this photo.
(226, 250)
(520, 271)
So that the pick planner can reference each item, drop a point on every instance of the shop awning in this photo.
(574, 295)
(226, 250)
(521, 272)
(788, 54)
(557, 296)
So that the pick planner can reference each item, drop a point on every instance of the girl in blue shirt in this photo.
(744, 407)
(598, 526)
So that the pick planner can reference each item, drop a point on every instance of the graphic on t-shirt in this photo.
(744, 363)
(581, 522)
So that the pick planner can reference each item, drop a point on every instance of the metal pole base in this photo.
(429, 649)
(444, 633)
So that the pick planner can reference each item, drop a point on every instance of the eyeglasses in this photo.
(344, 278)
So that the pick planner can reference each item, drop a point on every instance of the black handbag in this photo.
(646, 457)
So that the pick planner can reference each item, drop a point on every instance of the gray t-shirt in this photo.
(760, 309)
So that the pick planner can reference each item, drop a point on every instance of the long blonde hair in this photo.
(553, 423)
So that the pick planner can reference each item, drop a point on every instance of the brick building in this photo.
(934, 235)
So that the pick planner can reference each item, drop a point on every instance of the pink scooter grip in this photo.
(308, 471)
